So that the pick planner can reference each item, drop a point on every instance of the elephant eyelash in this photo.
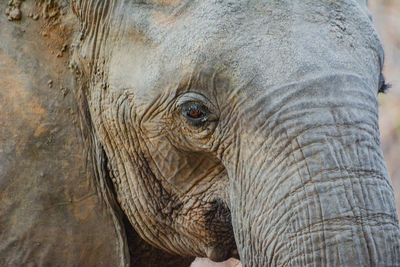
(383, 86)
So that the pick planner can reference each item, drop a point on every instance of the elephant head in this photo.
(242, 124)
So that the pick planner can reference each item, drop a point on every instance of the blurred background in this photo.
(386, 16)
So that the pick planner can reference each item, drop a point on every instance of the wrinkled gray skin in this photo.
(286, 163)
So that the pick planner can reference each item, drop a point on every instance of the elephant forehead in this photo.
(160, 53)
(267, 42)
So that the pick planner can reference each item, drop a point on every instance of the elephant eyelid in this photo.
(195, 98)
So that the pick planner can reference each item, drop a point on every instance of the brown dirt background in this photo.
(386, 16)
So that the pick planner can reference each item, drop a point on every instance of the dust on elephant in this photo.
(51, 209)
(249, 126)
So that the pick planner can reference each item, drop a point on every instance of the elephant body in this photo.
(49, 211)
(214, 129)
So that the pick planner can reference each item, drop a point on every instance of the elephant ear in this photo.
(50, 211)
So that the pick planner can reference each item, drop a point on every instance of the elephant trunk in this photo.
(309, 185)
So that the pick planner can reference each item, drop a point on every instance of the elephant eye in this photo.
(195, 113)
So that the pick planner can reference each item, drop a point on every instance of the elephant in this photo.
(237, 128)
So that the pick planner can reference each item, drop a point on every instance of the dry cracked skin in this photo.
(207, 129)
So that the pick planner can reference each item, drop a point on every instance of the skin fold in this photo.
(241, 125)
